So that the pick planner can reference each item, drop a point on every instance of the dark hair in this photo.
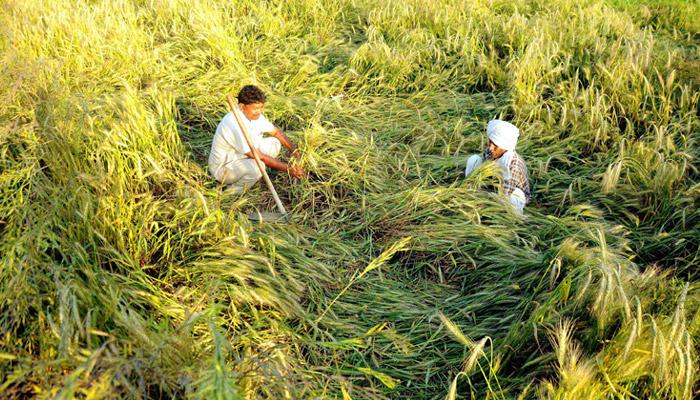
(250, 94)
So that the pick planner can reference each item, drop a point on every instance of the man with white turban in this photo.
(503, 136)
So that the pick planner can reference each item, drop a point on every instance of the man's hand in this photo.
(295, 171)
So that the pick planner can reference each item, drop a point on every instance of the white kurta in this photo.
(228, 163)
(517, 198)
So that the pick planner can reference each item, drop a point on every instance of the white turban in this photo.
(503, 134)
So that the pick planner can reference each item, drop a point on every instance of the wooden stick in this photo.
(232, 105)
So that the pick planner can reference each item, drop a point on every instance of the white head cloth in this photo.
(503, 134)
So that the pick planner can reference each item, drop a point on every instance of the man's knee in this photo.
(271, 146)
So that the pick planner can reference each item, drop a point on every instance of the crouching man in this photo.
(503, 136)
(231, 161)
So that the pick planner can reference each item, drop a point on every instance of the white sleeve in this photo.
(518, 200)
(472, 163)
(233, 136)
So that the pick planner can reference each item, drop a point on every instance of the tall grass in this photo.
(127, 272)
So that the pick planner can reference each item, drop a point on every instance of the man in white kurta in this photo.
(231, 160)
(503, 137)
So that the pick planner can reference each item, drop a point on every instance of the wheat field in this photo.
(126, 271)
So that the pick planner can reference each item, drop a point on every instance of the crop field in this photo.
(127, 271)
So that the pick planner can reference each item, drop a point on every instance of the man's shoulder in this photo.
(229, 122)
(517, 158)
(517, 161)
(229, 118)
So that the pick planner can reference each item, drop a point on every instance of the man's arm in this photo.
(286, 142)
(293, 170)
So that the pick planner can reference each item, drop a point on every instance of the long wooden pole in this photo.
(232, 105)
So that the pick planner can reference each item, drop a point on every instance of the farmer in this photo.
(231, 161)
(503, 136)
